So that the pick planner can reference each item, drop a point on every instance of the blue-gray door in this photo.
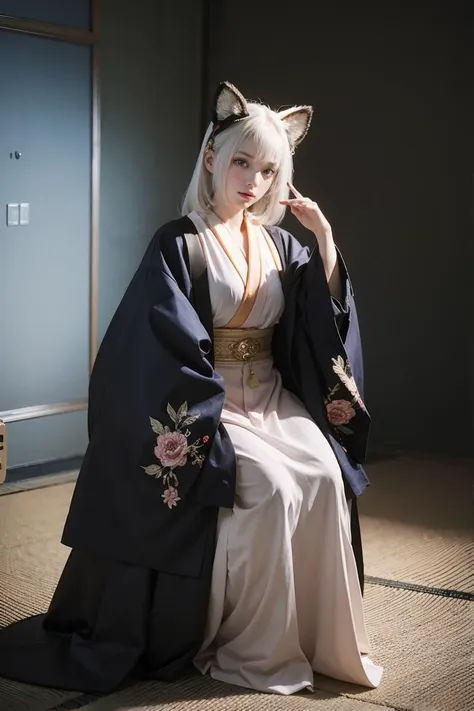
(45, 158)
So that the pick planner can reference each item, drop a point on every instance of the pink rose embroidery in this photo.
(172, 449)
(170, 497)
(340, 412)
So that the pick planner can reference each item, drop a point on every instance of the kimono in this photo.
(143, 593)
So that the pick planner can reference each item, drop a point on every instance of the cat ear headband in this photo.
(230, 107)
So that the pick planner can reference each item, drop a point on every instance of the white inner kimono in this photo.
(285, 597)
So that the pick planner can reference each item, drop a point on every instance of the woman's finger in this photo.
(300, 202)
(294, 190)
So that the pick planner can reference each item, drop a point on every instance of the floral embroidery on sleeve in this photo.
(172, 450)
(340, 412)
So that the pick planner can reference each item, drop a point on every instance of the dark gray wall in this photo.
(150, 64)
(388, 160)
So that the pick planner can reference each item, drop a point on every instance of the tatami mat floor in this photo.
(417, 526)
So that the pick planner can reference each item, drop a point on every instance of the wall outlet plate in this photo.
(13, 214)
(24, 213)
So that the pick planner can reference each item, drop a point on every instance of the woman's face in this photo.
(248, 179)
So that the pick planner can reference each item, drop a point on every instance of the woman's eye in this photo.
(241, 162)
(269, 171)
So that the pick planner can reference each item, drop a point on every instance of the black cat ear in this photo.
(229, 103)
(229, 107)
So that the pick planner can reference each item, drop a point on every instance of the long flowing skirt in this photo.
(285, 596)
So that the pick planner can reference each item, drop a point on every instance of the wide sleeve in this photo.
(155, 409)
(323, 333)
(193, 401)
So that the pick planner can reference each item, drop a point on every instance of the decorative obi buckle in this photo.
(243, 345)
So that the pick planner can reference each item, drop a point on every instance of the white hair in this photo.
(268, 133)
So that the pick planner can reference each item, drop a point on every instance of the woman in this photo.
(209, 523)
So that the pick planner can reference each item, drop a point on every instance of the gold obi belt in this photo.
(244, 345)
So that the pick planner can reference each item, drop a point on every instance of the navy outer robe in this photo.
(133, 597)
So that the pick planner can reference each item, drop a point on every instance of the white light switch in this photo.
(24, 213)
(13, 214)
